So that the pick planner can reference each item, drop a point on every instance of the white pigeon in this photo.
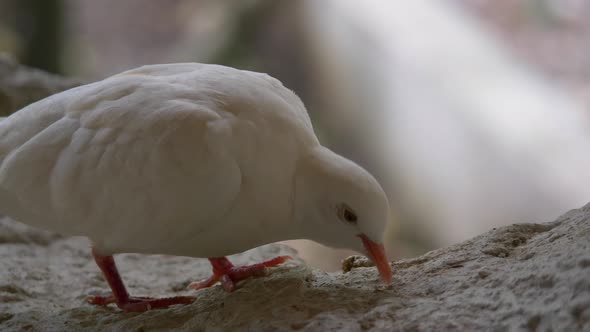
(184, 159)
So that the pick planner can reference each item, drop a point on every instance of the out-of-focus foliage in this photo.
(32, 30)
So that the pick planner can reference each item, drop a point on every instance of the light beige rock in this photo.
(519, 277)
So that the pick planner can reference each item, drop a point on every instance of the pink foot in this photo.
(121, 298)
(140, 304)
(228, 274)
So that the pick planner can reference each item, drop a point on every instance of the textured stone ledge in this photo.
(522, 277)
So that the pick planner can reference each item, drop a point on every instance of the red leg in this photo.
(228, 274)
(120, 295)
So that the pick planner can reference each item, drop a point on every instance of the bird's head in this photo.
(339, 204)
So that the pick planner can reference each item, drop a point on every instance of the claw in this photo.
(228, 274)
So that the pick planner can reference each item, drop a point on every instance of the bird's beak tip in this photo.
(376, 252)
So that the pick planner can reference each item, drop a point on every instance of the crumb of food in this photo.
(356, 261)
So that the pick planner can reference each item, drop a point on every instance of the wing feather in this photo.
(94, 164)
(156, 153)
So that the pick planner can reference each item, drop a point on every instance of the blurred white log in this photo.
(472, 137)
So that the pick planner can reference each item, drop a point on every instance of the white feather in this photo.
(160, 152)
(182, 159)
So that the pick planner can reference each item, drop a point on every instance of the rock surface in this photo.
(522, 277)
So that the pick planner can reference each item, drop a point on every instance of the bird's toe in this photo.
(228, 276)
(141, 304)
(101, 299)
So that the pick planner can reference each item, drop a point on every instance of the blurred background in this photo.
(472, 113)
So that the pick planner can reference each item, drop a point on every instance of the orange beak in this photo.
(376, 253)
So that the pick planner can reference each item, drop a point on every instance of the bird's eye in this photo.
(346, 214)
